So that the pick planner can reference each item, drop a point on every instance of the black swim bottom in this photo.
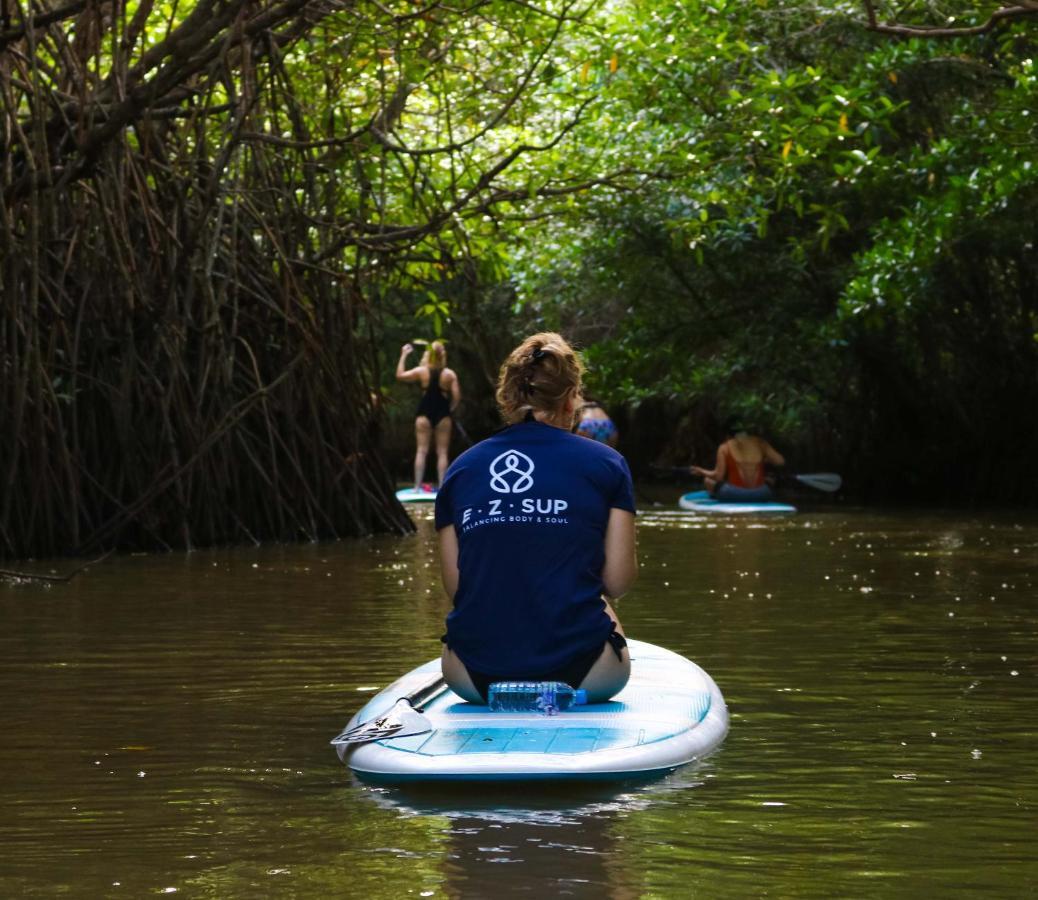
(573, 673)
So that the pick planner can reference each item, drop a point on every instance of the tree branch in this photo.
(11, 573)
(41, 21)
(1005, 14)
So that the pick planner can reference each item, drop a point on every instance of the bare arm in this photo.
(717, 472)
(414, 374)
(621, 557)
(449, 560)
(771, 455)
(455, 391)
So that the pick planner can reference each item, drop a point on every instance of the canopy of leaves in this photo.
(220, 215)
(834, 234)
(211, 209)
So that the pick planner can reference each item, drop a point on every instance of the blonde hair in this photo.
(435, 355)
(538, 375)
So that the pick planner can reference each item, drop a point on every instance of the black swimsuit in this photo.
(433, 405)
(573, 673)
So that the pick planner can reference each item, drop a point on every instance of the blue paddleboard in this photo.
(670, 713)
(701, 501)
(413, 495)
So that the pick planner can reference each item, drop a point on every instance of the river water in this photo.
(167, 720)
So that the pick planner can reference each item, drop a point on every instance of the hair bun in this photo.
(526, 382)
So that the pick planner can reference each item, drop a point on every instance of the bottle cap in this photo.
(579, 697)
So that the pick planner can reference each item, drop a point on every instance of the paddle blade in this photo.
(402, 720)
(822, 481)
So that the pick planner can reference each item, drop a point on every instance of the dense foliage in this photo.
(211, 209)
(222, 217)
(836, 239)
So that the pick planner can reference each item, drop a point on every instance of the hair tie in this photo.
(538, 354)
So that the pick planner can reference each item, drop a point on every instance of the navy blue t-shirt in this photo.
(530, 507)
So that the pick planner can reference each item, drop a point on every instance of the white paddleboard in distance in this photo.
(670, 713)
(416, 495)
(701, 501)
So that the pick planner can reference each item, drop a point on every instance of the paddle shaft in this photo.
(422, 695)
(463, 432)
(822, 481)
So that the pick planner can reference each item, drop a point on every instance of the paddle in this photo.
(461, 428)
(822, 481)
(404, 718)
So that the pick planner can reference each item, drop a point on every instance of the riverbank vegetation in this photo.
(221, 219)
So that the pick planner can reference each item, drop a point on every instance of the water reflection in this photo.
(167, 718)
(571, 836)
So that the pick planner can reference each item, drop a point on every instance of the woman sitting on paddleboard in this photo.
(441, 397)
(738, 474)
(536, 530)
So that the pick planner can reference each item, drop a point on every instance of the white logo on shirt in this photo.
(510, 463)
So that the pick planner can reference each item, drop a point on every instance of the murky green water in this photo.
(167, 718)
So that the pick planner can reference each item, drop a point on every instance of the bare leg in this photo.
(457, 676)
(423, 437)
(443, 443)
(609, 674)
(605, 679)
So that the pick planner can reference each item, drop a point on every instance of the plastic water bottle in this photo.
(548, 697)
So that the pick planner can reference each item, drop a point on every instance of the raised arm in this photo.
(621, 557)
(408, 374)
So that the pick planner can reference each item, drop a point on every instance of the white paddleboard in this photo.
(413, 495)
(701, 501)
(670, 713)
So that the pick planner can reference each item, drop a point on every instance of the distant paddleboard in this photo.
(416, 495)
(701, 501)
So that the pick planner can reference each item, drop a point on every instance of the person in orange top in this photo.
(738, 473)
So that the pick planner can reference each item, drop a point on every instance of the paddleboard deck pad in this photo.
(701, 501)
(416, 495)
(670, 713)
